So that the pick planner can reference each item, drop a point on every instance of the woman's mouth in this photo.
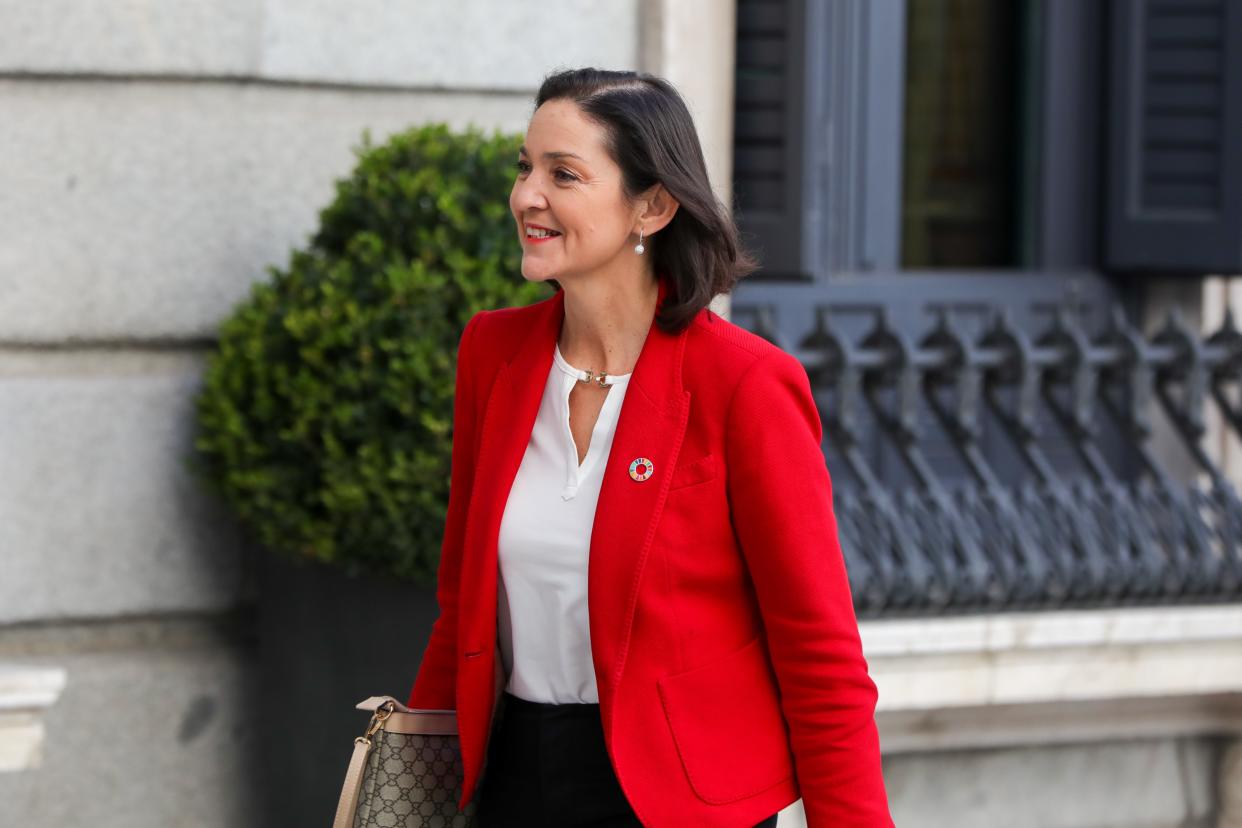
(538, 235)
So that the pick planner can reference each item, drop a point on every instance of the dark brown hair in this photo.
(650, 135)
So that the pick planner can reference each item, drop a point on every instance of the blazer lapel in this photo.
(508, 420)
(651, 425)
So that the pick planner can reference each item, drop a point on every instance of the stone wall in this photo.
(155, 158)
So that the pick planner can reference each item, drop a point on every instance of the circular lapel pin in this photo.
(641, 469)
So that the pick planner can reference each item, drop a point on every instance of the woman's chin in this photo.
(536, 274)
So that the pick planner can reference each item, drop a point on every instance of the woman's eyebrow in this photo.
(553, 155)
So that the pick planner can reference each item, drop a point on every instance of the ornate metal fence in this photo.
(1013, 527)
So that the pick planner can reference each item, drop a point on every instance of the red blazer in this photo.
(727, 656)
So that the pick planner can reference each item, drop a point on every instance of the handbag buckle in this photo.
(382, 712)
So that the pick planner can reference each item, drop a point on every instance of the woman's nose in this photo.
(527, 195)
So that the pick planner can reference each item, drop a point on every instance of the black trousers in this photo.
(547, 766)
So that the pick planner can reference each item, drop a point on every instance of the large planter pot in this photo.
(326, 642)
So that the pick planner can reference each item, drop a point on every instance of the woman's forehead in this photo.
(558, 130)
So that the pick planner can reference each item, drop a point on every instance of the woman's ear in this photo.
(659, 210)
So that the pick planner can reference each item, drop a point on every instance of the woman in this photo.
(645, 617)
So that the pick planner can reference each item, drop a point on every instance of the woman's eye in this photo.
(524, 167)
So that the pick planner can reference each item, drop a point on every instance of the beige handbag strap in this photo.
(382, 707)
(353, 783)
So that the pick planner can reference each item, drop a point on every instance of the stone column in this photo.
(692, 44)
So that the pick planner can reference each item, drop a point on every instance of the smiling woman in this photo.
(612, 162)
(572, 211)
(642, 621)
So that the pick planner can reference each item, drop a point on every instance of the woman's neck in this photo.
(606, 323)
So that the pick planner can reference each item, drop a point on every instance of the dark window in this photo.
(962, 148)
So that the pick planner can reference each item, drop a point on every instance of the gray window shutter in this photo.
(1174, 200)
(818, 135)
(768, 166)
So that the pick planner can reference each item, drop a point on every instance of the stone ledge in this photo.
(1032, 678)
(25, 695)
(1036, 630)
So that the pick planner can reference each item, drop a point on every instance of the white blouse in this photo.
(544, 544)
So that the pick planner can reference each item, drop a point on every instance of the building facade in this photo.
(905, 168)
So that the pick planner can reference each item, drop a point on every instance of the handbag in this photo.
(406, 770)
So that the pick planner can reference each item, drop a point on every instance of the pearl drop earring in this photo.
(638, 248)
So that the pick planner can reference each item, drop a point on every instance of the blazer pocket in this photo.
(694, 471)
(727, 723)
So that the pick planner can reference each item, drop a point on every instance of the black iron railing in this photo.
(1075, 509)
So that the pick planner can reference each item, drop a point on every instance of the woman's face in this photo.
(566, 182)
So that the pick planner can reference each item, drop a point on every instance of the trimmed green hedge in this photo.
(325, 418)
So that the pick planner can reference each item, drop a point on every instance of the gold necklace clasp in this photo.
(600, 379)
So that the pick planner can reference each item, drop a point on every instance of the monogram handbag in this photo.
(406, 770)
